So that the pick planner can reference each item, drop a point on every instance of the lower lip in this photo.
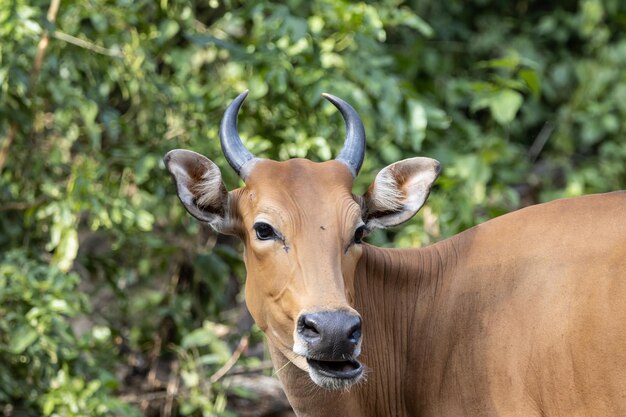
(342, 370)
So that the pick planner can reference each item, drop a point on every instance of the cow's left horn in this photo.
(353, 150)
(233, 148)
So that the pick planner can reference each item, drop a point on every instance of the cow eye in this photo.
(358, 234)
(264, 231)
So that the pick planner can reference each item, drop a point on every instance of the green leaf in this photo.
(48, 406)
(22, 339)
(191, 378)
(59, 306)
(407, 18)
(417, 124)
(210, 359)
(243, 392)
(67, 249)
(508, 62)
(167, 30)
(590, 16)
(531, 78)
(198, 337)
(145, 220)
(504, 105)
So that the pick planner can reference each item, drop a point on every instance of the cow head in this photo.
(302, 229)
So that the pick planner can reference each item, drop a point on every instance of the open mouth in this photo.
(349, 369)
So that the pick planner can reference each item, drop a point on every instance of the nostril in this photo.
(355, 336)
(330, 332)
(308, 327)
(354, 333)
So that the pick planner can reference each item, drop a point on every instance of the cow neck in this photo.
(398, 285)
(396, 290)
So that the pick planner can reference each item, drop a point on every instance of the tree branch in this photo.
(21, 205)
(43, 43)
(81, 43)
(243, 345)
(6, 144)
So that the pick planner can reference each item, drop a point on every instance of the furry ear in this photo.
(200, 188)
(399, 191)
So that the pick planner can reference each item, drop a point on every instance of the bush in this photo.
(45, 367)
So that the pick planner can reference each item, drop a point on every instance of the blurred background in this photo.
(115, 302)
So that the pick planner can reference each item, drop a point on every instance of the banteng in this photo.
(524, 315)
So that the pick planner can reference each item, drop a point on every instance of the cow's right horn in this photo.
(233, 148)
(353, 150)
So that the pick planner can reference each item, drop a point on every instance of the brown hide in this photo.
(524, 315)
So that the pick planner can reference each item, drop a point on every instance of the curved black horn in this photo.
(234, 150)
(353, 150)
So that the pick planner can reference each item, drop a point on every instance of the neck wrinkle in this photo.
(404, 274)
(396, 290)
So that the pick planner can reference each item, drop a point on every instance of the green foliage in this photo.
(43, 363)
(201, 349)
(521, 101)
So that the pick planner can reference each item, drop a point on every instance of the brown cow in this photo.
(524, 315)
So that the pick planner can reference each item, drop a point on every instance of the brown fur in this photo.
(524, 315)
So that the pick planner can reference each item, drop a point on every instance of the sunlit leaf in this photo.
(511, 61)
(22, 339)
(167, 29)
(198, 337)
(504, 105)
(66, 250)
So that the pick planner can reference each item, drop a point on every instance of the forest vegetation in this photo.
(115, 302)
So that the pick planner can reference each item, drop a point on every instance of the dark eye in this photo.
(358, 234)
(264, 231)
